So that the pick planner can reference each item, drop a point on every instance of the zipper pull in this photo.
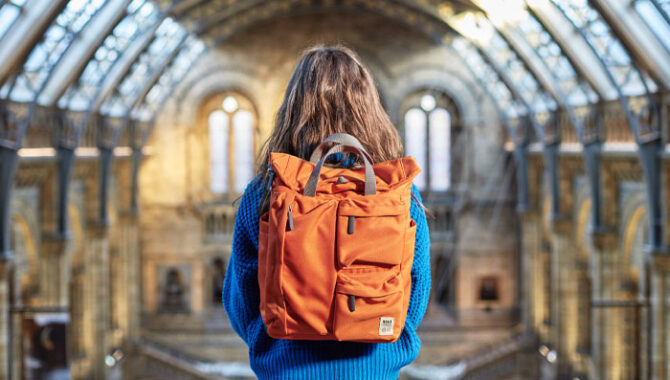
(352, 302)
(271, 177)
(290, 218)
(350, 225)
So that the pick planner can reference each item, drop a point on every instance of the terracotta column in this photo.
(660, 309)
(97, 297)
(530, 250)
(5, 318)
(604, 288)
(565, 293)
(54, 271)
(130, 268)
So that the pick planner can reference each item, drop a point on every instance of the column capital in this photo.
(5, 266)
(97, 229)
(55, 242)
(604, 239)
(129, 215)
(528, 213)
(660, 260)
(561, 225)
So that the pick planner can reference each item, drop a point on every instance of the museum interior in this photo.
(130, 128)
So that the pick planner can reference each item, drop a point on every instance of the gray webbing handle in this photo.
(339, 138)
(370, 180)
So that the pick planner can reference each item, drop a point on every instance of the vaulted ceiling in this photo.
(116, 62)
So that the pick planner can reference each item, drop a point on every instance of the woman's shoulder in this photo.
(253, 193)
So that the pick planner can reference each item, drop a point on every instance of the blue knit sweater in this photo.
(319, 360)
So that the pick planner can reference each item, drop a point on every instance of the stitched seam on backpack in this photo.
(281, 271)
(402, 166)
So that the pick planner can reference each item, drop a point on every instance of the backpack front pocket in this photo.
(308, 254)
(371, 234)
(368, 305)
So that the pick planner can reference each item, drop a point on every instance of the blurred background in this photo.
(128, 128)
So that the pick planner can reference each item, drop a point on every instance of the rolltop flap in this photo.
(293, 172)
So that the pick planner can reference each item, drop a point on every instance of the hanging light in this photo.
(427, 102)
(229, 104)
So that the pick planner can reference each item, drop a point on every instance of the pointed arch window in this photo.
(232, 130)
(428, 139)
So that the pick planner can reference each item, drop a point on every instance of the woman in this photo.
(329, 92)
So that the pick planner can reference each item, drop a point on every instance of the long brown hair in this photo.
(330, 91)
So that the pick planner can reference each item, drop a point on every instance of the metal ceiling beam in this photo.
(83, 46)
(642, 44)
(649, 144)
(153, 78)
(122, 67)
(575, 47)
(25, 33)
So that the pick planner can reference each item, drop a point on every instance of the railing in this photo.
(506, 360)
(513, 359)
(149, 360)
(441, 225)
(218, 221)
(616, 128)
(45, 123)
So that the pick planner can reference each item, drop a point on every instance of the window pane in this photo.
(193, 49)
(169, 35)
(141, 15)
(607, 46)
(243, 129)
(46, 54)
(440, 149)
(488, 78)
(415, 142)
(577, 91)
(8, 14)
(218, 152)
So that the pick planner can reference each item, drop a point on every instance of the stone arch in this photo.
(212, 79)
(439, 79)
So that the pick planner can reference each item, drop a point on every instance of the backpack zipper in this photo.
(350, 225)
(352, 302)
(271, 177)
(290, 217)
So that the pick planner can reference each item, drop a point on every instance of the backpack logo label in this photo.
(386, 325)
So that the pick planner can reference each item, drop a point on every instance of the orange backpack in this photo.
(335, 249)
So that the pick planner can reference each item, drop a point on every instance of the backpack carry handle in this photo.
(342, 139)
(370, 180)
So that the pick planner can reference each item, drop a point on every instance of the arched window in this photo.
(231, 144)
(428, 138)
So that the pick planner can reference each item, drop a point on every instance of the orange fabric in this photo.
(310, 274)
